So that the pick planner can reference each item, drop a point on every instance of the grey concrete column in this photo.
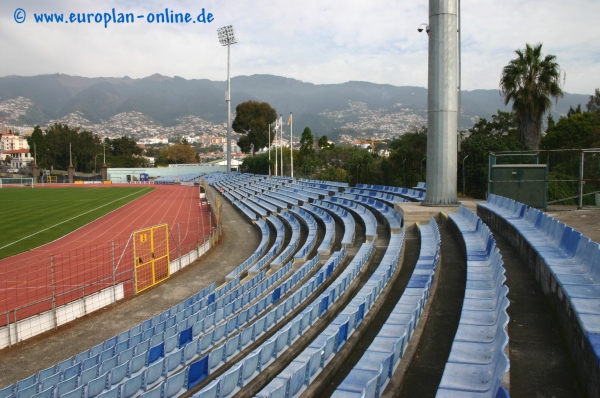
(35, 171)
(71, 172)
(104, 172)
(442, 104)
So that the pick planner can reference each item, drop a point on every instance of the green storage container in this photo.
(526, 183)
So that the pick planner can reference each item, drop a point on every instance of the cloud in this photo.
(313, 41)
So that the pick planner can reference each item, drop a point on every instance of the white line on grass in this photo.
(72, 218)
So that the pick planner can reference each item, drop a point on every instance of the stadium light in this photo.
(227, 37)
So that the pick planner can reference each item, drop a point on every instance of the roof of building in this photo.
(15, 151)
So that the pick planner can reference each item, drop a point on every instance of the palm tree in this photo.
(529, 82)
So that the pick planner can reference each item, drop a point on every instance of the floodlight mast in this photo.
(227, 38)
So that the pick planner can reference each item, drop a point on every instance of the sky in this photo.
(316, 41)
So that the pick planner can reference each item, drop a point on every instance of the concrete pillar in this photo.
(104, 172)
(35, 171)
(71, 171)
(442, 104)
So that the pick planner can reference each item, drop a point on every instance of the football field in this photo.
(33, 217)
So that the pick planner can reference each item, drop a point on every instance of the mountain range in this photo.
(322, 107)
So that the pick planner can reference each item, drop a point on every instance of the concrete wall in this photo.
(120, 174)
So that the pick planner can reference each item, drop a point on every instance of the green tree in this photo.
(485, 137)
(323, 142)
(578, 130)
(306, 143)
(408, 158)
(574, 111)
(37, 144)
(62, 143)
(252, 120)
(333, 174)
(123, 147)
(502, 124)
(178, 154)
(357, 166)
(88, 146)
(594, 104)
(124, 152)
(245, 144)
(307, 161)
(529, 82)
(256, 164)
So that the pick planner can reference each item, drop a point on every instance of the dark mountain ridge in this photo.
(164, 99)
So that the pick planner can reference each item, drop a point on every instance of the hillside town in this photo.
(371, 125)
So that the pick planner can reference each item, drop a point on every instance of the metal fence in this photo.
(55, 288)
(573, 175)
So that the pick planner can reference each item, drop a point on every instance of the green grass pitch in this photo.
(33, 217)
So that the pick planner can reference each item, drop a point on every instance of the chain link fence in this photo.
(573, 175)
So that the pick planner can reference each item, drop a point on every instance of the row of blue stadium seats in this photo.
(294, 241)
(291, 198)
(572, 259)
(324, 182)
(326, 186)
(264, 260)
(164, 359)
(368, 219)
(121, 341)
(200, 368)
(407, 193)
(245, 209)
(332, 205)
(264, 204)
(319, 193)
(133, 362)
(286, 200)
(329, 223)
(262, 247)
(259, 210)
(118, 349)
(279, 234)
(421, 186)
(294, 379)
(229, 383)
(385, 197)
(391, 216)
(248, 334)
(304, 195)
(344, 216)
(278, 204)
(311, 237)
(477, 361)
(370, 375)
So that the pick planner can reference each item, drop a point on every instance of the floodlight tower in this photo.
(227, 38)
(442, 104)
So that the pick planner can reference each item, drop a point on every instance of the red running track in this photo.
(83, 262)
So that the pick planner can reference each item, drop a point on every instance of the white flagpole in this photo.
(269, 150)
(292, 143)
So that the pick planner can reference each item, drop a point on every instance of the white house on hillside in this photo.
(18, 158)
